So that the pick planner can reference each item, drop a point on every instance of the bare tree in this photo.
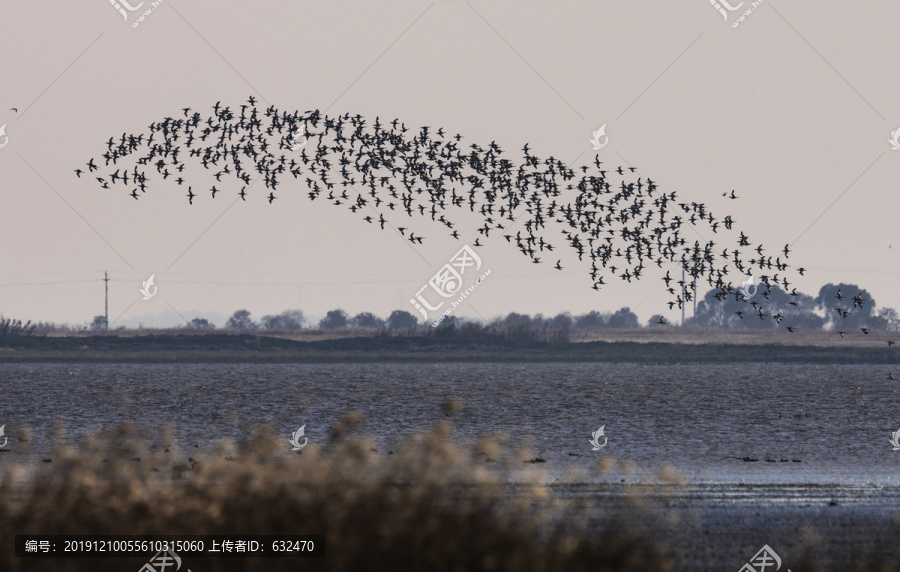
(99, 323)
(402, 320)
(334, 319)
(240, 320)
(201, 324)
(367, 320)
(289, 320)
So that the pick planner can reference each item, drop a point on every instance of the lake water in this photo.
(836, 420)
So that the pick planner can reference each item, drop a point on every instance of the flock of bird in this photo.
(385, 171)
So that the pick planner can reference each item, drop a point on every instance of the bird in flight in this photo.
(613, 218)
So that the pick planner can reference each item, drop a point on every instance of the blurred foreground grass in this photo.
(428, 505)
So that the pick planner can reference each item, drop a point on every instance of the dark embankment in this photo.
(244, 348)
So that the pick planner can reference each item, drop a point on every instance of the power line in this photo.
(54, 283)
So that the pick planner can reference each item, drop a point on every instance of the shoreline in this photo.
(250, 348)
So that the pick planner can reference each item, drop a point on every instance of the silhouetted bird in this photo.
(620, 224)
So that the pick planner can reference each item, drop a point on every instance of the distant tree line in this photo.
(514, 326)
(838, 307)
(10, 328)
(293, 321)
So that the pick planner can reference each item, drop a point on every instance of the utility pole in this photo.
(683, 303)
(106, 302)
(695, 296)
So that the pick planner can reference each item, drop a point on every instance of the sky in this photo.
(792, 107)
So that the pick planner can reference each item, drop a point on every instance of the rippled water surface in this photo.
(836, 421)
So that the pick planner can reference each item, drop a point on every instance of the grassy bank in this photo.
(246, 348)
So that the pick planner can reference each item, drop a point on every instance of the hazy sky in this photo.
(793, 109)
